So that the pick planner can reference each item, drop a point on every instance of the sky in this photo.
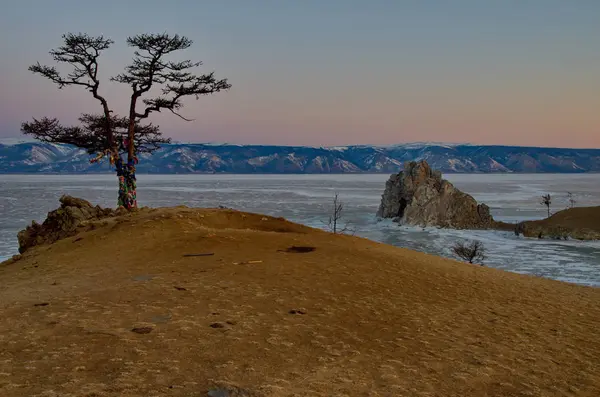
(334, 72)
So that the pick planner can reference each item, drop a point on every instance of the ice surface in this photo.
(307, 199)
(10, 141)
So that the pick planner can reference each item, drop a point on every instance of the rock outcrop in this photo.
(537, 230)
(419, 196)
(581, 223)
(63, 222)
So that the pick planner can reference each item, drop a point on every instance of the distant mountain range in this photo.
(28, 157)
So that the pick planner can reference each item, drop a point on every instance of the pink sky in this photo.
(341, 73)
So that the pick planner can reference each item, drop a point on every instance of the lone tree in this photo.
(547, 200)
(106, 134)
(470, 252)
(335, 219)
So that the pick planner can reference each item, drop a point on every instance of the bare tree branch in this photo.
(334, 223)
(90, 135)
(149, 68)
(173, 93)
(180, 116)
(81, 51)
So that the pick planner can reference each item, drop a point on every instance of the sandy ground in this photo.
(573, 218)
(351, 318)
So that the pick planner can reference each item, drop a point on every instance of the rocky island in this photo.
(215, 302)
(419, 196)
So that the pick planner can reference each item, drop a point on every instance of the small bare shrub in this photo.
(471, 252)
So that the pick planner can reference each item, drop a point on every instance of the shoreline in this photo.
(503, 234)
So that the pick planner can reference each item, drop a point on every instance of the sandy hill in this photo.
(578, 217)
(124, 310)
(580, 222)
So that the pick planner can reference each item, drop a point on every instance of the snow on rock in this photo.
(40, 155)
(496, 166)
(318, 161)
(262, 160)
(345, 166)
(299, 162)
(338, 148)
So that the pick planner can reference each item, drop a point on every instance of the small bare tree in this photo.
(571, 200)
(473, 251)
(334, 223)
(547, 200)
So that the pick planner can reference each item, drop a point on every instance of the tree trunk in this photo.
(131, 129)
(127, 184)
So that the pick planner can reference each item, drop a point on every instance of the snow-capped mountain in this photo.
(26, 157)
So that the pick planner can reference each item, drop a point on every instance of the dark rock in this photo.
(419, 196)
(542, 230)
(13, 259)
(142, 330)
(63, 222)
(299, 249)
(519, 228)
(70, 201)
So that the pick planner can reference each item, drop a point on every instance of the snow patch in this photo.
(262, 160)
(423, 145)
(338, 148)
(494, 165)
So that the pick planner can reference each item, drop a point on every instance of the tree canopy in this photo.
(107, 132)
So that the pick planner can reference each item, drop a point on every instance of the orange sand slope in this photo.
(120, 311)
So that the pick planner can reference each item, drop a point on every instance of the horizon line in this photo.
(13, 141)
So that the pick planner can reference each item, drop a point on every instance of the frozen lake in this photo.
(307, 199)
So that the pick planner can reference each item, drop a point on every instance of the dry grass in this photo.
(573, 218)
(351, 317)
